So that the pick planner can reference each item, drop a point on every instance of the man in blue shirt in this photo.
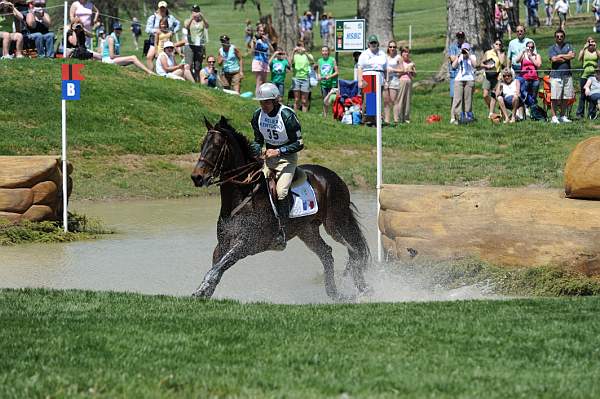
(516, 47)
(561, 80)
(453, 53)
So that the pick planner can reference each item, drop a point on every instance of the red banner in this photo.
(72, 72)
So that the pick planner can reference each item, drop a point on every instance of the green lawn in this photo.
(84, 344)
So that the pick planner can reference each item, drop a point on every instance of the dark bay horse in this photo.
(247, 224)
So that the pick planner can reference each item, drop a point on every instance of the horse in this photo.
(247, 224)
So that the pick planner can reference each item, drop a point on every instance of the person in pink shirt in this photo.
(530, 61)
(408, 72)
(88, 15)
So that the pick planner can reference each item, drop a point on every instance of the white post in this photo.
(588, 5)
(410, 37)
(64, 135)
(379, 164)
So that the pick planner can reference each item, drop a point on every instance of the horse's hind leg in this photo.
(313, 240)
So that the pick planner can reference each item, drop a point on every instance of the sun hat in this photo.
(168, 44)
(117, 26)
(162, 4)
(460, 33)
(224, 39)
(195, 8)
(372, 39)
(465, 46)
(267, 91)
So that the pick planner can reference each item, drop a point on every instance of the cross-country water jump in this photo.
(266, 199)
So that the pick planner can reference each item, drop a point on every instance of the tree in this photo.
(316, 7)
(476, 19)
(286, 23)
(379, 16)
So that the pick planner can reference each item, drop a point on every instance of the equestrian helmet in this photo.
(267, 91)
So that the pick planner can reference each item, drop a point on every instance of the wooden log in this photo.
(37, 213)
(45, 193)
(512, 227)
(16, 172)
(582, 170)
(16, 200)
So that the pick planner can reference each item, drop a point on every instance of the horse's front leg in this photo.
(220, 264)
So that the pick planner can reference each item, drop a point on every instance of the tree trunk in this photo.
(380, 21)
(286, 23)
(476, 19)
(316, 6)
(362, 9)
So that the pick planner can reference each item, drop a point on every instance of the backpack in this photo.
(537, 113)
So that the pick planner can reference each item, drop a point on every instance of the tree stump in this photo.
(503, 226)
(31, 188)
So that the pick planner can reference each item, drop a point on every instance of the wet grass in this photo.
(80, 228)
(83, 344)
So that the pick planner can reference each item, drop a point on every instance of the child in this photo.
(136, 32)
(279, 65)
(248, 34)
(404, 93)
(163, 35)
(327, 73)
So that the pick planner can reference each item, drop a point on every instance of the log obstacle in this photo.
(31, 188)
(582, 171)
(503, 226)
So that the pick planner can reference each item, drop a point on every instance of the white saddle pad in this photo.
(305, 201)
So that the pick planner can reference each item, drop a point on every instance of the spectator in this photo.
(76, 39)
(561, 81)
(532, 14)
(101, 37)
(507, 94)
(392, 83)
(355, 57)
(561, 7)
(506, 21)
(111, 52)
(331, 39)
(453, 54)
(136, 32)
(529, 82)
(260, 46)
(324, 30)
(516, 47)
(153, 26)
(327, 74)
(233, 66)
(279, 65)
(373, 59)
(302, 63)
(510, 13)
(38, 24)
(163, 35)
(499, 22)
(549, 7)
(209, 75)
(248, 35)
(592, 91)
(9, 15)
(463, 85)
(407, 73)
(589, 57)
(306, 30)
(168, 68)
(494, 62)
(579, 6)
(596, 11)
(194, 33)
(88, 15)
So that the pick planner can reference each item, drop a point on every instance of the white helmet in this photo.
(267, 91)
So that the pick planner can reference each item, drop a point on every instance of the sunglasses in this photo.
(392, 47)
(211, 62)
(374, 43)
(498, 44)
(559, 36)
(169, 48)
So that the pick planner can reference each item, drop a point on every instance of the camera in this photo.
(78, 27)
(464, 51)
(257, 36)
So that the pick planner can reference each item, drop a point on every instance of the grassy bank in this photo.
(81, 344)
(134, 136)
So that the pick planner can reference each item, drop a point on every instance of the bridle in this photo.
(232, 175)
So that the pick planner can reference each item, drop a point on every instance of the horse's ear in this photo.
(208, 125)
(223, 121)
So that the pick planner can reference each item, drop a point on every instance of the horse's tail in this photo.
(360, 254)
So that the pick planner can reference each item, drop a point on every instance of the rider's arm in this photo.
(259, 140)
(292, 127)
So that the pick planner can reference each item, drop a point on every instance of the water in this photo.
(165, 247)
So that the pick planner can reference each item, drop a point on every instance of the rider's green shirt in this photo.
(279, 129)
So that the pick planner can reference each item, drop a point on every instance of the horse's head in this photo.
(212, 156)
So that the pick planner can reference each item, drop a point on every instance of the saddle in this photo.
(299, 178)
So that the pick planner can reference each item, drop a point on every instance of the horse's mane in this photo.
(242, 141)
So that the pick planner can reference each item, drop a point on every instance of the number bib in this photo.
(273, 128)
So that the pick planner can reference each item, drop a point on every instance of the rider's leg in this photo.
(284, 167)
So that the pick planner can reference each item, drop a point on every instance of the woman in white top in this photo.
(592, 91)
(462, 104)
(168, 68)
(561, 7)
(392, 82)
(507, 95)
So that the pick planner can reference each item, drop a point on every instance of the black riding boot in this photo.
(283, 210)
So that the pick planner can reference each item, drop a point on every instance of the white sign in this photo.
(350, 34)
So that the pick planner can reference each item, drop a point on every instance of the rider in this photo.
(278, 127)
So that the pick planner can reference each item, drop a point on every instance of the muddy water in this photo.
(165, 247)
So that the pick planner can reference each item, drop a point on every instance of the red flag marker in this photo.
(72, 72)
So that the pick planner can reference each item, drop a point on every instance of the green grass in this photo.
(123, 115)
(85, 344)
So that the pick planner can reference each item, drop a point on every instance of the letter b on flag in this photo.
(71, 90)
